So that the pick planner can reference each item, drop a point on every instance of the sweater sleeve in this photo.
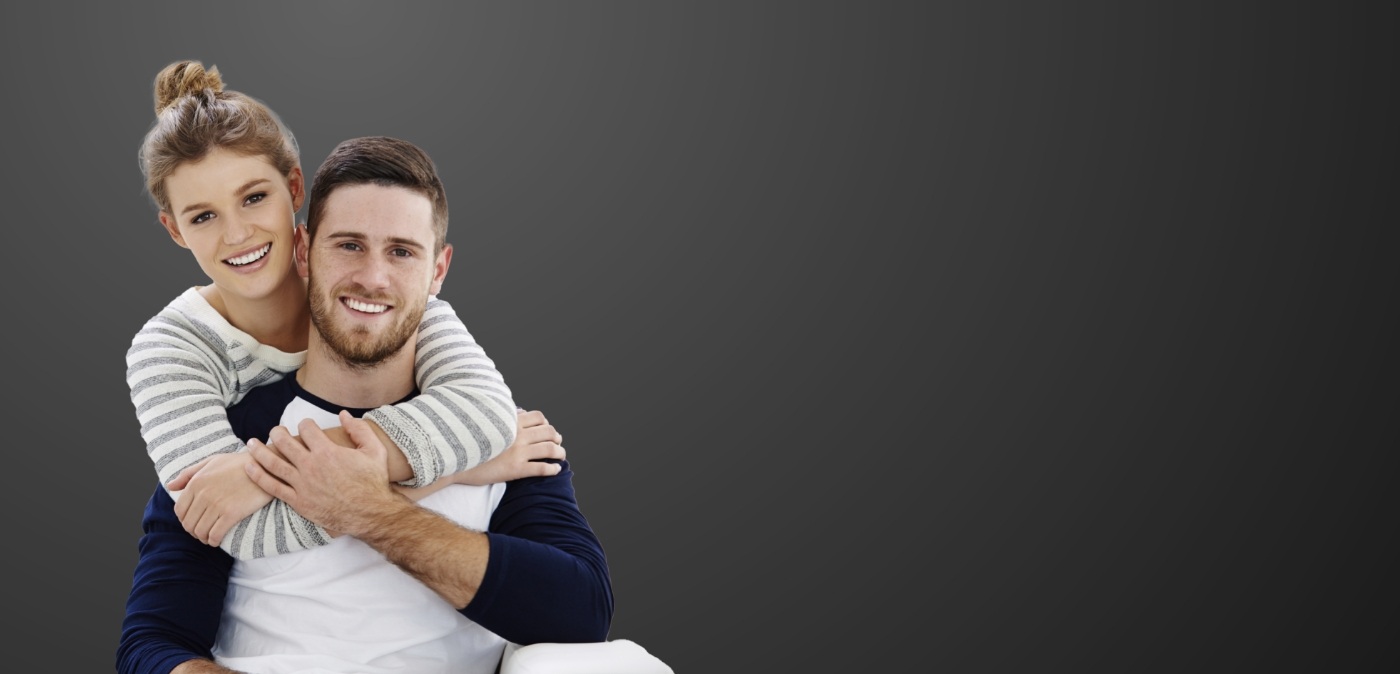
(464, 415)
(187, 365)
(177, 595)
(184, 368)
(546, 575)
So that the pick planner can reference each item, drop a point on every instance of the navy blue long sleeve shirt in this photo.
(546, 576)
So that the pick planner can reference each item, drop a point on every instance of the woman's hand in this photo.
(535, 439)
(215, 495)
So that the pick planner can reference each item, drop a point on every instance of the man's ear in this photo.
(168, 221)
(296, 182)
(302, 241)
(444, 260)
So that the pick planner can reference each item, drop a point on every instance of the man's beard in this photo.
(357, 346)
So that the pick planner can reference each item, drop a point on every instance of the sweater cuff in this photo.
(411, 440)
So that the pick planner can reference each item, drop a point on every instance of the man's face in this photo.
(371, 270)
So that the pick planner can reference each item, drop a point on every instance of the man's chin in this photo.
(362, 347)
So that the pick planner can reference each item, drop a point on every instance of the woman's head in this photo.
(225, 174)
(195, 115)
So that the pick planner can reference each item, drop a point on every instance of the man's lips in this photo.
(365, 307)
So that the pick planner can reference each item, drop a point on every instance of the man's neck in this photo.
(327, 376)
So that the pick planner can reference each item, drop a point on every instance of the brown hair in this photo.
(195, 115)
(384, 161)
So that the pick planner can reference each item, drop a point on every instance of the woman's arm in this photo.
(465, 414)
(187, 365)
(184, 367)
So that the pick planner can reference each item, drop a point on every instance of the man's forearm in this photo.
(446, 557)
(345, 490)
(202, 667)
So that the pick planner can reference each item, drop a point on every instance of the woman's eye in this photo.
(201, 217)
(255, 198)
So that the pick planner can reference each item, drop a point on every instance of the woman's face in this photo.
(235, 213)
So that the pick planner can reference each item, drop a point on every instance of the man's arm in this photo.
(538, 575)
(202, 667)
(177, 596)
(546, 576)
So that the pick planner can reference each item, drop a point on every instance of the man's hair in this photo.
(383, 161)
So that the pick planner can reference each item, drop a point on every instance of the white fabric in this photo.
(619, 656)
(343, 608)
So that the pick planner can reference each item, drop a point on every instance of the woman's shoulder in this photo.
(190, 309)
(178, 325)
(191, 323)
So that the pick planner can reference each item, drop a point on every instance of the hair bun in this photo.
(184, 78)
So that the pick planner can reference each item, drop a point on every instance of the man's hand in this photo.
(339, 488)
(535, 439)
(217, 494)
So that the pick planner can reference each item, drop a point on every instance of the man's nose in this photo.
(373, 272)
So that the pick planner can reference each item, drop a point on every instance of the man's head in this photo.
(379, 160)
(374, 247)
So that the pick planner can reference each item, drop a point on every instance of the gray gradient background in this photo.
(988, 337)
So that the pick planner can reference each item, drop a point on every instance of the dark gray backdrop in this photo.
(995, 337)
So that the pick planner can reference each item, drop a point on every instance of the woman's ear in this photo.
(297, 184)
(168, 221)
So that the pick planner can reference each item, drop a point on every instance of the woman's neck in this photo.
(281, 319)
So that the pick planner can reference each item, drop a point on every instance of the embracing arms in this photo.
(188, 364)
(538, 574)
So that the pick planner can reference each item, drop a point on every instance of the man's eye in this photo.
(350, 246)
(255, 198)
(401, 252)
(202, 217)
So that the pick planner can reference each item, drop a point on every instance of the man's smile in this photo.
(365, 307)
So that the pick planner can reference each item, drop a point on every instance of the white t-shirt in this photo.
(343, 608)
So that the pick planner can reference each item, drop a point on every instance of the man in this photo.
(435, 587)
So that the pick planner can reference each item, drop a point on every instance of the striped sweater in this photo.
(188, 364)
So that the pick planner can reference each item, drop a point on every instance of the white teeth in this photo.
(367, 308)
(250, 257)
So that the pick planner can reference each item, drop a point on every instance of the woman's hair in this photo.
(195, 115)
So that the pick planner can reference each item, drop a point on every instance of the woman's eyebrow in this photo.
(241, 188)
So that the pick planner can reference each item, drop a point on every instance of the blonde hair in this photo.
(194, 114)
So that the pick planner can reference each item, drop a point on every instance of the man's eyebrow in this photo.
(407, 242)
(363, 237)
(241, 188)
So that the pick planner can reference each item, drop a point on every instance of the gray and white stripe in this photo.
(188, 364)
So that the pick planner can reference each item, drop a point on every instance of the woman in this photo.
(225, 174)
